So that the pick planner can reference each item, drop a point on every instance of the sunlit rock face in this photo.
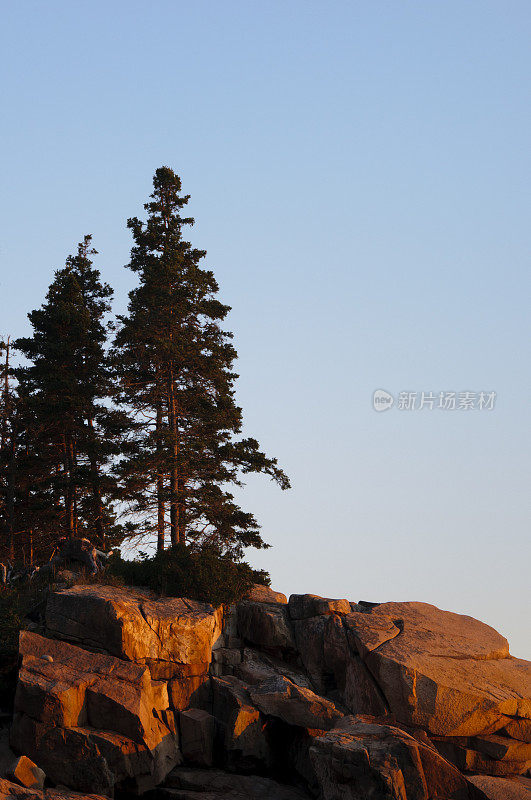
(91, 720)
(308, 698)
(173, 635)
(448, 673)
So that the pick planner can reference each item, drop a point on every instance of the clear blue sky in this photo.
(359, 175)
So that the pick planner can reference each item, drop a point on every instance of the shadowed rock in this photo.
(215, 783)
(266, 625)
(361, 759)
(243, 745)
(295, 705)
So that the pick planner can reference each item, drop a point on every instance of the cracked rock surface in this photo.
(270, 700)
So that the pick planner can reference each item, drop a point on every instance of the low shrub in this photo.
(204, 574)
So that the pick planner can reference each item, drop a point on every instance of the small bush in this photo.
(201, 574)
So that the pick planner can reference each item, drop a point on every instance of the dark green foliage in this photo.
(176, 365)
(150, 433)
(205, 574)
(69, 433)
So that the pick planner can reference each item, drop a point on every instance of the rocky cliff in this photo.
(311, 698)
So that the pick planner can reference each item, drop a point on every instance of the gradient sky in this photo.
(359, 174)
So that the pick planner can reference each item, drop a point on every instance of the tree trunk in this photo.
(177, 523)
(7, 446)
(5, 400)
(10, 499)
(160, 482)
(97, 505)
(69, 495)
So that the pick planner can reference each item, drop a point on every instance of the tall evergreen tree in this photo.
(176, 368)
(73, 432)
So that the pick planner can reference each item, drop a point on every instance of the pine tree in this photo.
(73, 433)
(176, 367)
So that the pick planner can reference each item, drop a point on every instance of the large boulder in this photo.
(310, 634)
(502, 748)
(74, 704)
(165, 634)
(360, 693)
(188, 690)
(447, 673)
(518, 729)
(362, 759)
(64, 685)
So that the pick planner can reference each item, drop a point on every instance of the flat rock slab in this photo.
(12, 791)
(256, 667)
(448, 673)
(135, 625)
(432, 632)
(295, 705)
(474, 761)
(227, 785)
(501, 747)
